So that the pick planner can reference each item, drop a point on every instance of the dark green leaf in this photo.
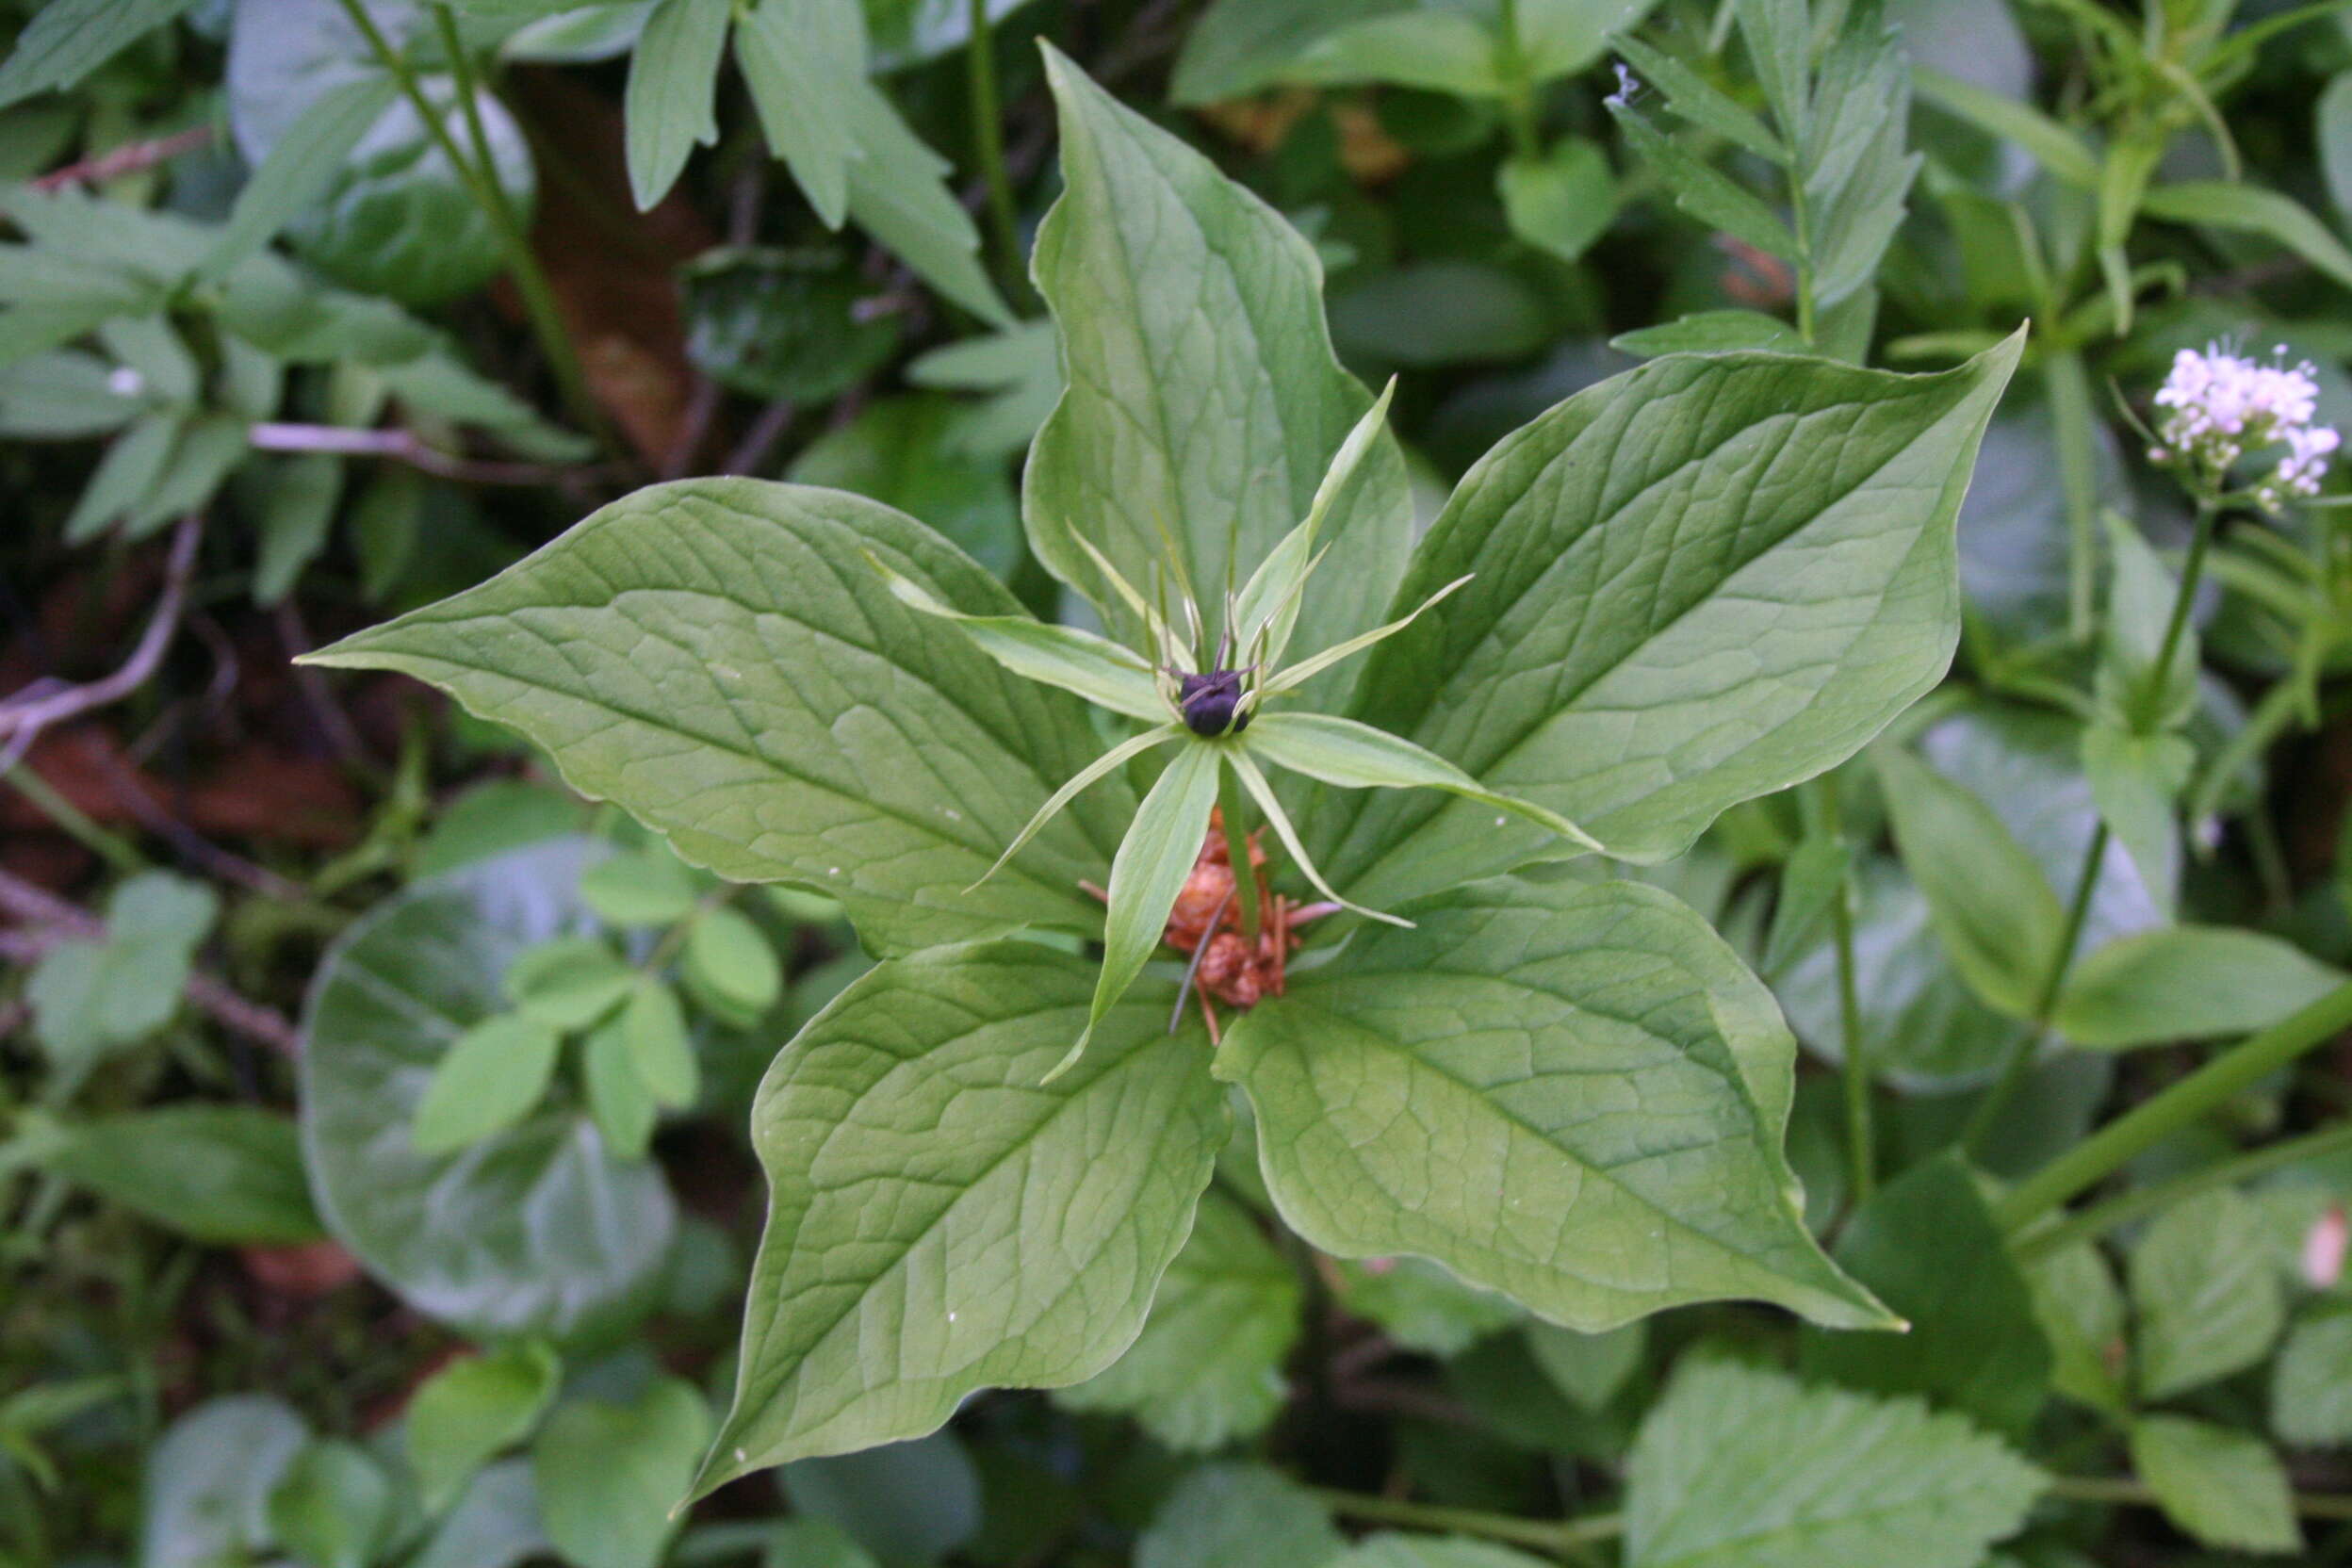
(225, 1174)
(67, 39)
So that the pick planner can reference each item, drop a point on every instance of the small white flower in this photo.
(124, 382)
(2221, 407)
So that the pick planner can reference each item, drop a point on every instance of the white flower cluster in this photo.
(2220, 407)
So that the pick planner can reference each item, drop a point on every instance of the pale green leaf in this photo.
(1208, 1368)
(673, 86)
(619, 1101)
(653, 1028)
(756, 695)
(2206, 1292)
(569, 983)
(1102, 767)
(204, 1487)
(1692, 96)
(2250, 209)
(2334, 133)
(609, 1475)
(1563, 36)
(2082, 1313)
(2059, 150)
(1218, 441)
(1074, 660)
(1711, 332)
(2311, 1383)
(1703, 191)
(1150, 870)
(125, 477)
(798, 56)
(1743, 1467)
(2225, 1488)
(2136, 781)
(1421, 1306)
(1357, 757)
(334, 1506)
(1589, 1369)
(1998, 918)
(2188, 983)
(1267, 610)
(1694, 583)
(1529, 1031)
(90, 997)
(726, 952)
(1260, 790)
(467, 1413)
(67, 39)
(981, 1227)
(1238, 1516)
(1392, 1550)
(644, 887)
(300, 169)
(493, 1075)
(898, 194)
(1561, 201)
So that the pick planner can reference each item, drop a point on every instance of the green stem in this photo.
(2102, 1489)
(2029, 1046)
(1543, 1535)
(114, 849)
(1860, 1144)
(482, 183)
(2121, 1210)
(1234, 808)
(987, 136)
(2151, 696)
(1510, 64)
(2185, 1102)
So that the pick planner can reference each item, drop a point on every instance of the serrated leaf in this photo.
(739, 594)
(1740, 1468)
(2225, 1488)
(1208, 1366)
(69, 39)
(1533, 1024)
(540, 1230)
(1654, 628)
(609, 1475)
(1692, 96)
(470, 1411)
(1926, 1245)
(899, 1269)
(1147, 239)
(2206, 1294)
(2000, 919)
(2188, 983)
(672, 88)
(493, 1075)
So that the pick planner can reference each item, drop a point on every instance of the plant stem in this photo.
(2158, 1117)
(1544, 1535)
(2029, 1046)
(482, 183)
(1510, 64)
(1235, 811)
(2151, 696)
(2103, 1489)
(112, 847)
(1855, 1047)
(988, 138)
(2121, 1210)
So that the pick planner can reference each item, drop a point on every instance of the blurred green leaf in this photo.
(783, 323)
(609, 1474)
(205, 1492)
(2187, 983)
(1562, 201)
(2206, 1292)
(2225, 1488)
(334, 1506)
(903, 1502)
(92, 996)
(2311, 1383)
(464, 1415)
(67, 39)
(2250, 209)
(673, 91)
(492, 1077)
(1238, 1516)
(903, 451)
(231, 1175)
(728, 954)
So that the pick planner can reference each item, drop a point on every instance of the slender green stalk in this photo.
(71, 820)
(1233, 808)
(1855, 1047)
(2126, 1207)
(482, 183)
(2152, 695)
(2021, 1055)
(1544, 1535)
(2185, 1102)
(2102, 1489)
(1510, 64)
(987, 139)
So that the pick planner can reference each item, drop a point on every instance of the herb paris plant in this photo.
(1682, 588)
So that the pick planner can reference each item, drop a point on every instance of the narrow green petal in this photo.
(1147, 873)
(1255, 780)
(1115, 757)
(1093, 667)
(1357, 757)
(1268, 605)
(1155, 625)
(1307, 669)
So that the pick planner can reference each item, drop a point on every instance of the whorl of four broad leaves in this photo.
(1689, 585)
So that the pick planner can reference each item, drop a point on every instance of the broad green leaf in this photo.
(2249, 210)
(2225, 1488)
(1694, 583)
(494, 1525)
(653, 1027)
(224, 1174)
(609, 1475)
(1561, 36)
(1166, 433)
(2081, 1314)
(1238, 1516)
(644, 887)
(2136, 780)
(673, 86)
(798, 57)
(1741, 1467)
(1077, 660)
(619, 1101)
(537, 1230)
(569, 983)
(91, 997)
(299, 168)
(334, 1506)
(1589, 1369)
(889, 761)
(1561, 201)
(467, 1413)
(1999, 920)
(1711, 332)
(205, 1488)
(940, 1220)
(1150, 870)
(2206, 1292)
(68, 39)
(491, 1078)
(1208, 1368)
(899, 193)
(903, 1502)
(1357, 757)
(1531, 1029)
(2188, 983)
(726, 952)
(1927, 1247)
(908, 452)
(2311, 1383)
